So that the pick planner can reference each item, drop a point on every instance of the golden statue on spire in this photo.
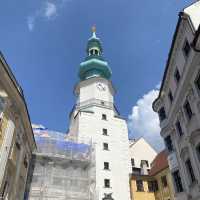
(94, 29)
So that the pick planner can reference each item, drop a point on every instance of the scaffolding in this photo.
(61, 169)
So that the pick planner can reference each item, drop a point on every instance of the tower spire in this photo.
(94, 31)
(94, 64)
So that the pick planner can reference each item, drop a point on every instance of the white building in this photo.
(94, 117)
(178, 105)
(142, 155)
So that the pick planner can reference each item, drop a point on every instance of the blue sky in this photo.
(44, 42)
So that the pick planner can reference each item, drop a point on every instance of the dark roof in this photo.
(159, 163)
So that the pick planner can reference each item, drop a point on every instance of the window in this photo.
(155, 186)
(162, 114)
(105, 131)
(139, 184)
(25, 162)
(91, 52)
(102, 103)
(186, 48)
(177, 181)
(18, 145)
(177, 76)
(132, 162)
(197, 82)
(106, 165)
(198, 151)
(104, 117)
(96, 52)
(188, 110)
(179, 128)
(152, 186)
(190, 170)
(136, 170)
(105, 146)
(164, 181)
(144, 162)
(168, 143)
(107, 183)
(170, 96)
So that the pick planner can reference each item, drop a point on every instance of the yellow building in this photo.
(140, 187)
(161, 174)
(16, 136)
(157, 185)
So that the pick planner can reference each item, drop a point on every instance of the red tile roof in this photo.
(159, 163)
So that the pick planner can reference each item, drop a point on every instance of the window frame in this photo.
(175, 75)
(190, 170)
(132, 162)
(105, 131)
(179, 128)
(177, 181)
(197, 148)
(105, 146)
(186, 52)
(106, 166)
(164, 181)
(162, 114)
(139, 185)
(188, 110)
(104, 117)
(107, 183)
(170, 147)
(196, 82)
(170, 96)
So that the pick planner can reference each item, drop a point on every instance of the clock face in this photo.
(101, 86)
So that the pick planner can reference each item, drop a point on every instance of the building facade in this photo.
(60, 169)
(178, 105)
(156, 185)
(16, 136)
(95, 118)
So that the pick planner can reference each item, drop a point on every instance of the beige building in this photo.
(16, 136)
(141, 156)
(178, 105)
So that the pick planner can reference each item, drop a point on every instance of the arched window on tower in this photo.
(96, 52)
(91, 52)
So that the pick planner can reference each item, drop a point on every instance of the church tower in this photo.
(95, 118)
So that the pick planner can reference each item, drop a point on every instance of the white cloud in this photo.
(48, 10)
(144, 122)
(30, 22)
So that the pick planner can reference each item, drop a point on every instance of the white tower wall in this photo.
(89, 126)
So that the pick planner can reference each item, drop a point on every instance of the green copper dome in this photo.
(94, 64)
